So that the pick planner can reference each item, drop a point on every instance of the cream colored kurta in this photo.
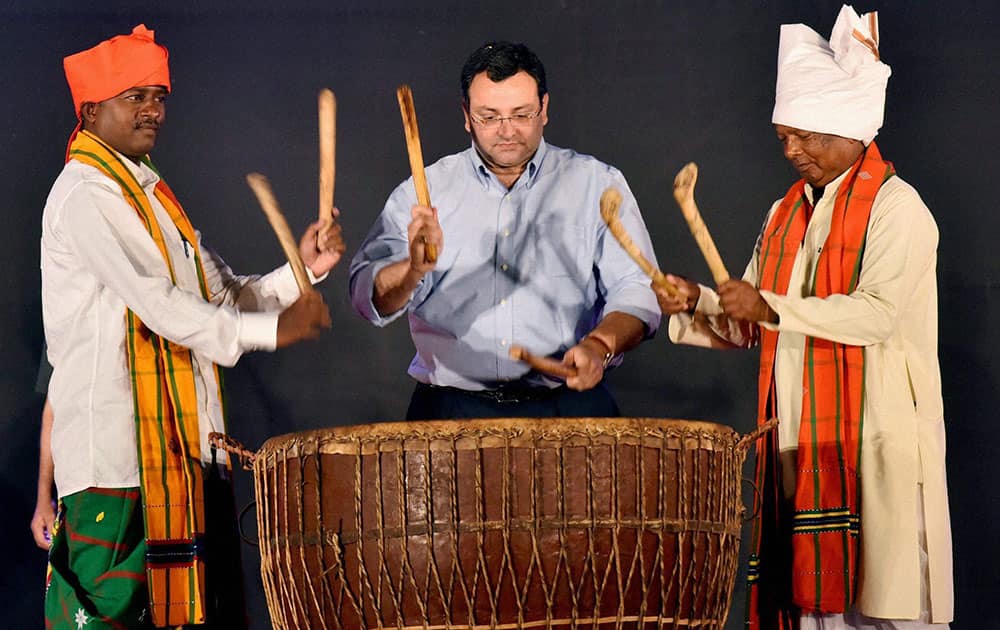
(893, 315)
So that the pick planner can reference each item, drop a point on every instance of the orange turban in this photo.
(115, 65)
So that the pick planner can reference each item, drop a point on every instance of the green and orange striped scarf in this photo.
(166, 416)
(805, 559)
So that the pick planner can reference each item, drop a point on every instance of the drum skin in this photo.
(585, 522)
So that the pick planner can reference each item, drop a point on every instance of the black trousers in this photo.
(226, 605)
(430, 402)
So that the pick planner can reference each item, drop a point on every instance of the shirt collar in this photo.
(830, 190)
(534, 164)
(143, 174)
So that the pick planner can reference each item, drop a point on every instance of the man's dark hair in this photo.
(502, 60)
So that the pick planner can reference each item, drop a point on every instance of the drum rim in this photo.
(445, 429)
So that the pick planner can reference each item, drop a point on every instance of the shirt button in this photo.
(503, 301)
(503, 342)
(503, 267)
(506, 232)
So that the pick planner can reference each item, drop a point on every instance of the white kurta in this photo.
(893, 315)
(97, 258)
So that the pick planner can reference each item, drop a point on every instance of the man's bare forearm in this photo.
(46, 470)
(620, 332)
(394, 285)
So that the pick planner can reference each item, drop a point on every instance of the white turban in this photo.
(836, 87)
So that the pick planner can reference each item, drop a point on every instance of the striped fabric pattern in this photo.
(165, 403)
(825, 521)
(753, 568)
(833, 520)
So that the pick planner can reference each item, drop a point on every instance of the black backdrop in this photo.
(646, 86)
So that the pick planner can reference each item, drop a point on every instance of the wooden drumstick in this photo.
(684, 194)
(544, 365)
(405, 97)
(262, 189)
(327, 154)
(611, 199)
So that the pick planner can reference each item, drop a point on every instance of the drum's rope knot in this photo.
(233, 446)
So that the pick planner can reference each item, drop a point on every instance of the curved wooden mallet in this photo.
(327, 154)
(684, 194)
(405, 97)
(611, 200)
(544, 365)
(262, 189)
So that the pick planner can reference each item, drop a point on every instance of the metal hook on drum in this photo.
(756, 500)
(246, 458)
(239, 524)
(744, 444)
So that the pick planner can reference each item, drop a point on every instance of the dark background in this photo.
(646, 86)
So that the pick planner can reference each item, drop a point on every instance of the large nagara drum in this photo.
(514, 523)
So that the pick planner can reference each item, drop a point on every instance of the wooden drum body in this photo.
(501, 524)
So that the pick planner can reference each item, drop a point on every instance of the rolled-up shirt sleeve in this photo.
(387, 243)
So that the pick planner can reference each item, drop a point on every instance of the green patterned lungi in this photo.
(97, 570)
(97, 565)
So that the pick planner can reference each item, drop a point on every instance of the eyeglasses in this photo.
(492, 122)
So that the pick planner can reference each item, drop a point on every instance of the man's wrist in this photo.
(606, 351)
(768, 315)
(413, 277)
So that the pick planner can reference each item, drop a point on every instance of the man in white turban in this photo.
(841, 295)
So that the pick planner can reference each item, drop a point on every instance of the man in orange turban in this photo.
(138, 314)
(115, 65)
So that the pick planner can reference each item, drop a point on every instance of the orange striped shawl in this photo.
(166, 415)
(825, 519)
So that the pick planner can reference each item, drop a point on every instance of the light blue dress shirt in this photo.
(533, 266)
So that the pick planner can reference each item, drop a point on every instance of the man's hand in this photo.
(322, 246)
(395, 283)
(685, 302)
(42, 522)
(588, 359)
(741, 300)
(303, 320)
(424, 230)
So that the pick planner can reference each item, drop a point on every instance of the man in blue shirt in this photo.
(524, 259)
